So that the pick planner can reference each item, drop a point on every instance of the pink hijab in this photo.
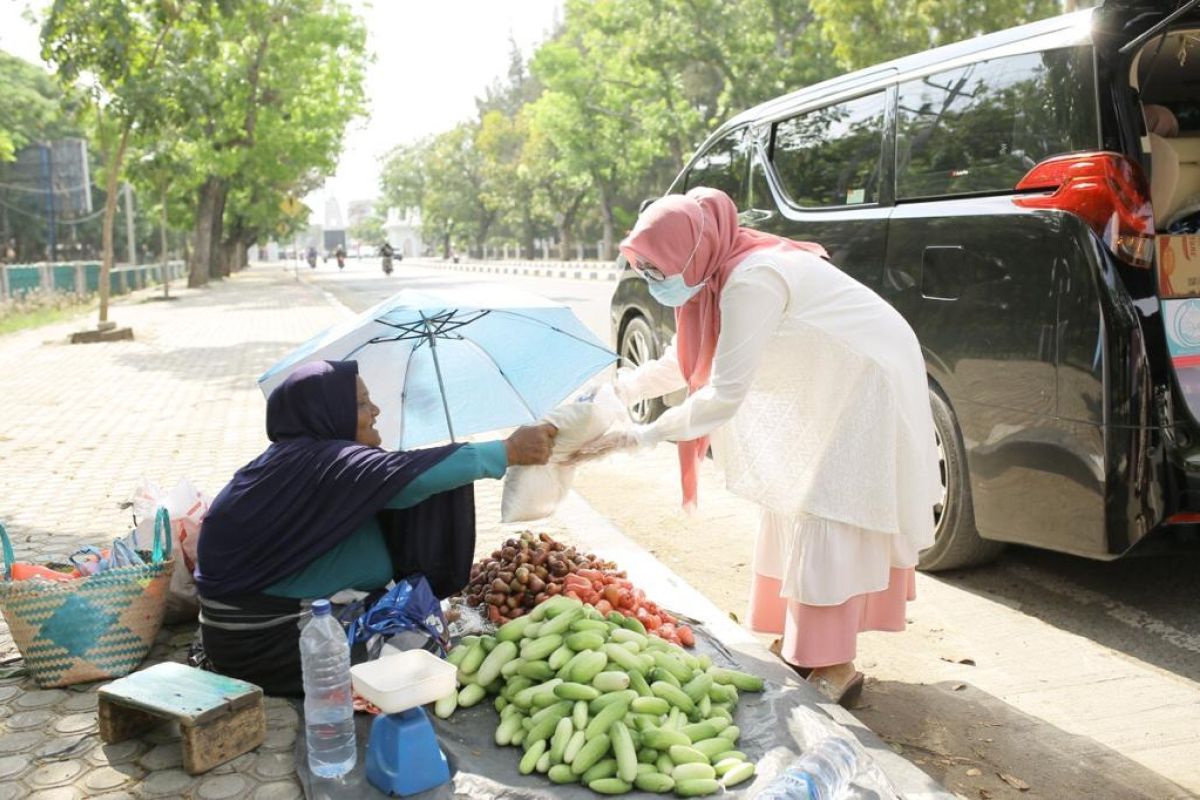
(697, 235)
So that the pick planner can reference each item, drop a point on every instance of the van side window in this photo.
(723, 166)
(831, 156)
(982, 127)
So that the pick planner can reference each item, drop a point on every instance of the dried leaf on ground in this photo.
(958, 687)
(1014, 782)
(974, 772)
(970, 662)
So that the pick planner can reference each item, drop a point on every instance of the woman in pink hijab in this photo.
(813, 392)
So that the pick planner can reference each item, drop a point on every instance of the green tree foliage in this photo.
(264, 115)
(32, 106)
(613, 103)
(865, 32)
(121, 55)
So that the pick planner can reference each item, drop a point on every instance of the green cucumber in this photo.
(639, 684)
(574, 745)
(649, 705)
(561, 773)
(693, 771)
(609, 786)
(541, 647)
(585, 640)
(532, 754)
(580, 715)
(673, 695)
(686, 754)
(663, 739)
(576, 691)
(742, 680)
(535, 670)
(606, 717)
(712, 747)
(590, 753)
(602, 769)
(514, 630)
(444, 707)
(507, 729)
(654, 782)
(560, 657)
(470, 695)
(698, 687)
(623, 635)
(612, 681)
(672, 665)
(624, 751)
(590, 664)
(489, 670)
(625, 659)
(558, 742)
(472, 660)
(736, 775)
(697, 788)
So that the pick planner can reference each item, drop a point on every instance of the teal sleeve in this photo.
(465, 465)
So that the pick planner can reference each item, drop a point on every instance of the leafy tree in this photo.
(121, 52)
(866, 32)
(266, 113)
(32, 106)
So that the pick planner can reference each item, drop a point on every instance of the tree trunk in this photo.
(198, 266)
(606, 213)
(215, 266)
(162, 248)
(110, 214)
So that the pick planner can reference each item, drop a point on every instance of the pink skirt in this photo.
(821, 636)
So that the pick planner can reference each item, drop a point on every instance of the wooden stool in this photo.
(220, 717)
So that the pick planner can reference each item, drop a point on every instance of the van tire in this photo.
(637, 346)
(957, 543)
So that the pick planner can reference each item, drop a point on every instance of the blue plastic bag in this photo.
(408, 606)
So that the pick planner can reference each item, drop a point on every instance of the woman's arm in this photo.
(652, 379)
(752, 306)
(527, 445)
(467, 464)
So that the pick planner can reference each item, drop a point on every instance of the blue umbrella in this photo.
(442, 365)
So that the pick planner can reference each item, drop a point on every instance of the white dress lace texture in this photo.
(818, 410)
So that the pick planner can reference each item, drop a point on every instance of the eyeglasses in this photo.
(649, 272)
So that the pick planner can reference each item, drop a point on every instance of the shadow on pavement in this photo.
(967, 739)
(1143, 606)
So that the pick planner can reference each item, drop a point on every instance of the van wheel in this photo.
(639, 345)
(956, 541)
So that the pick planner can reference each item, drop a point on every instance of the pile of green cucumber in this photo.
(592, 699)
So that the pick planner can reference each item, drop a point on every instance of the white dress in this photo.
(818, 409)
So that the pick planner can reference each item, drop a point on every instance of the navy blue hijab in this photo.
(314, 486)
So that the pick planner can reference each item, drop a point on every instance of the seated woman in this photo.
(325, 509)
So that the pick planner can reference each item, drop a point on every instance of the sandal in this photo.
(776, 647)
(845, 695)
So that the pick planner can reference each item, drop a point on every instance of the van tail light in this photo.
(1106, 190)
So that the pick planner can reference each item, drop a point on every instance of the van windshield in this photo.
(983, 127)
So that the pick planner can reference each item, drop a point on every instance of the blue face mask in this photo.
(672, 291)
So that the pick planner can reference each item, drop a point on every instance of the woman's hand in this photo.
(530, 445)
(607, 444)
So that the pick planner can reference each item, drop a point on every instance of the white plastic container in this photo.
(405, 680)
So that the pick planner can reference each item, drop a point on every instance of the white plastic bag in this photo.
(534, 492)
(186, 505)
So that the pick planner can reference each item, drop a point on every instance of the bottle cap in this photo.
(320, 608)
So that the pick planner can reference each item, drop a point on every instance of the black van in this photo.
(1005, 194)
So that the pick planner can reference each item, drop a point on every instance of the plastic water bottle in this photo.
(823, 773)
(328, 705)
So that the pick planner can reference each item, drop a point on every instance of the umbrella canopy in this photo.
(442, 365)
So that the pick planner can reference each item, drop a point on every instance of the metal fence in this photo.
(17, 280)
